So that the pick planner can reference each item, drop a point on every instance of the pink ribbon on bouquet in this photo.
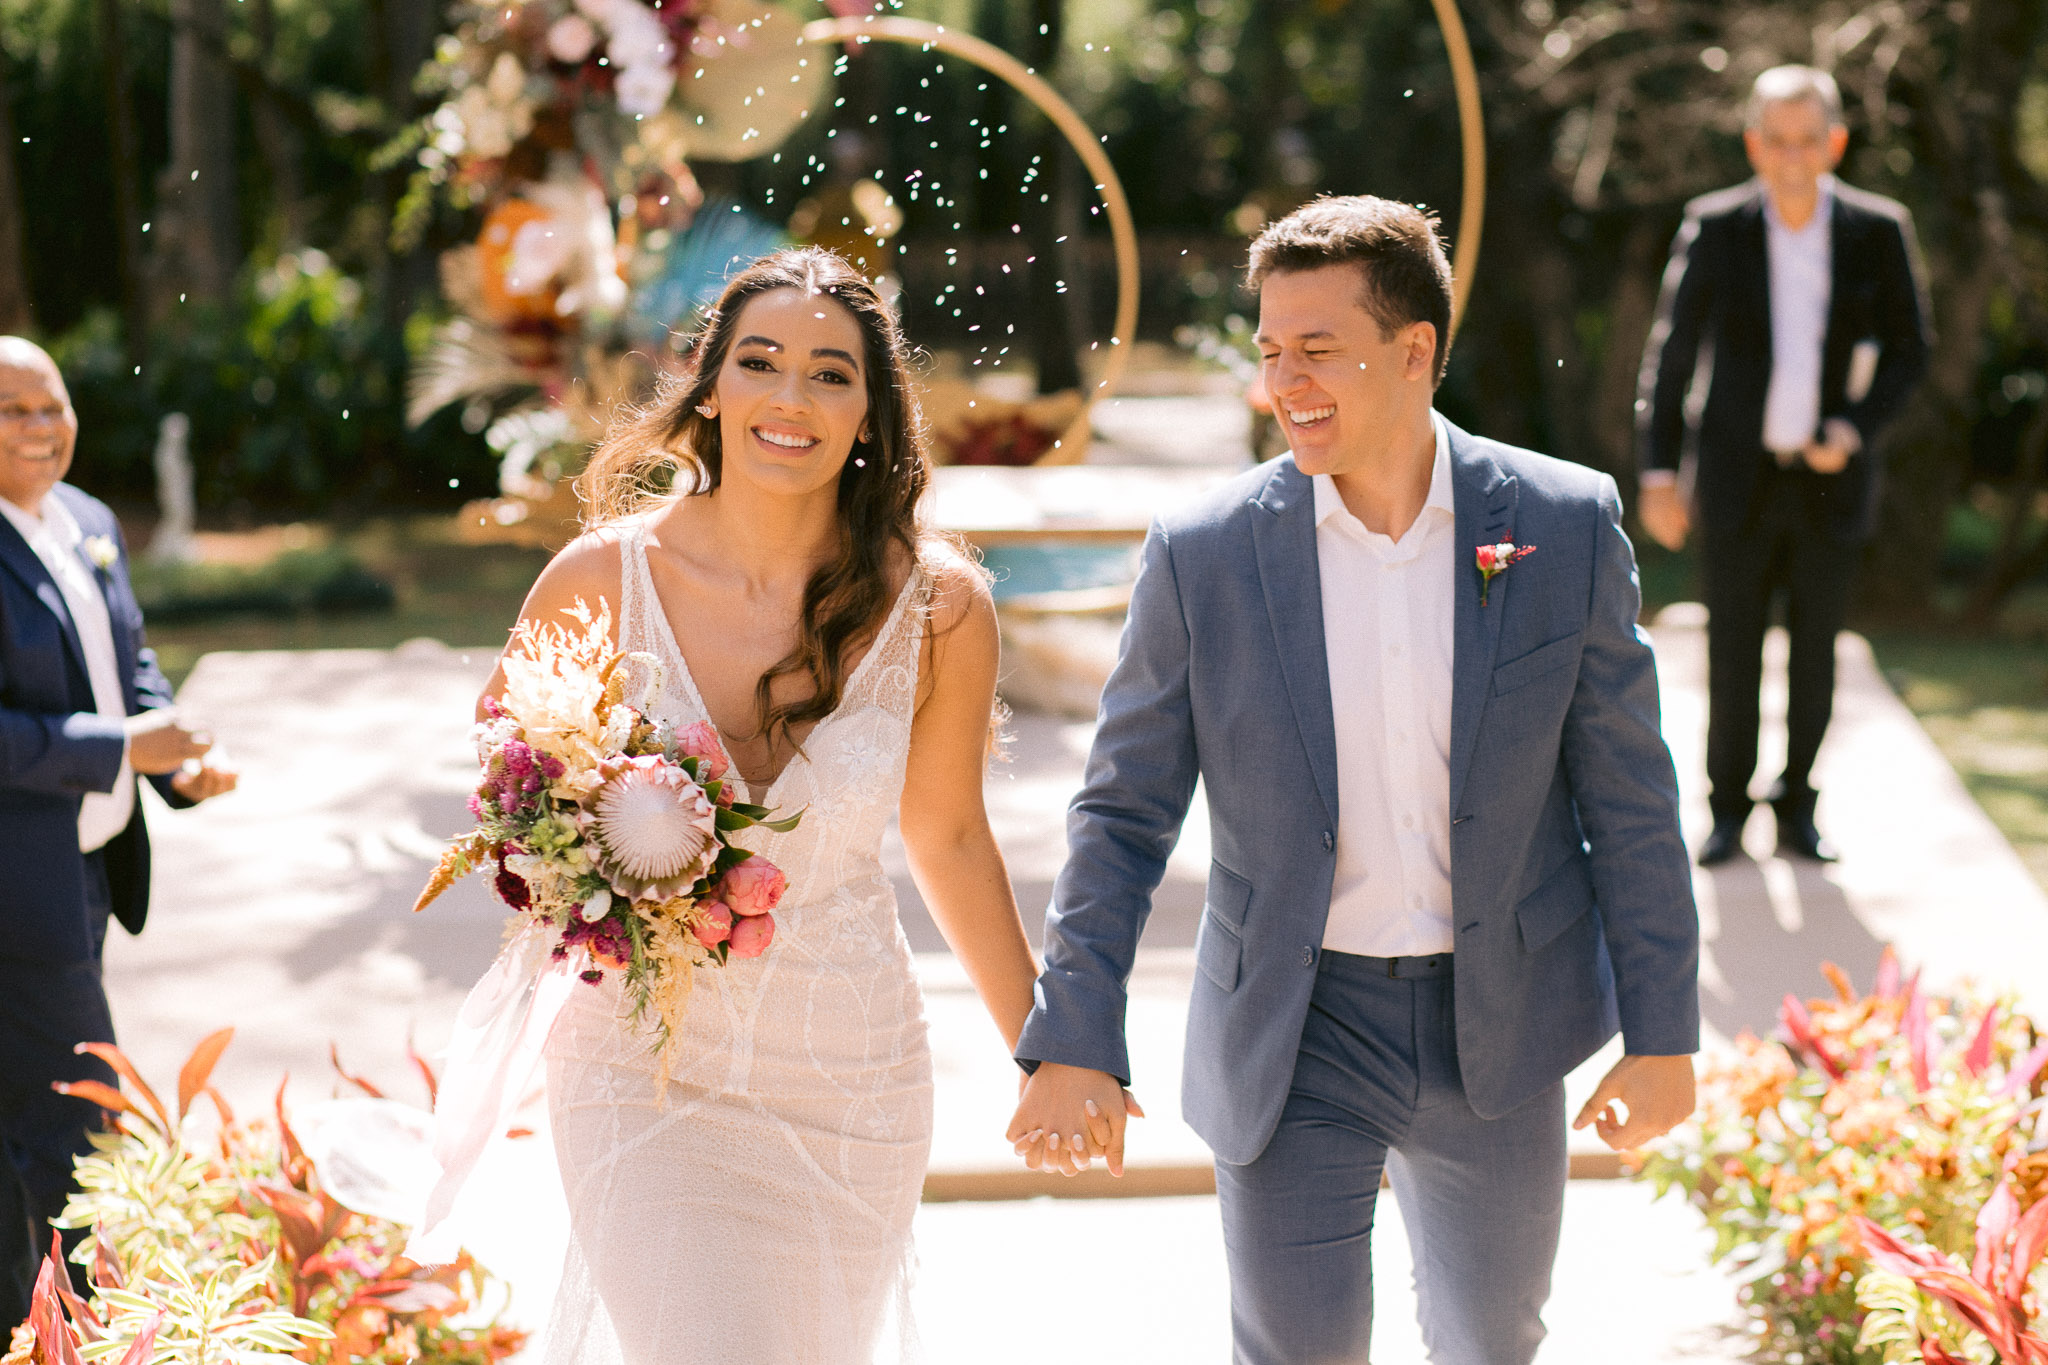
(492, 1055)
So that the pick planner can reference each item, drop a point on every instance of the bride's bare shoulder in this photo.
(960, 586)
(589, 568)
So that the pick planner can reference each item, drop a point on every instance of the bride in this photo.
(757, 1207)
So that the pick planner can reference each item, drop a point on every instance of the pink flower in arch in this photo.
(753, 887)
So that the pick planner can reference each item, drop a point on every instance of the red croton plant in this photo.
(1875, 1175)
(225, 1246)
(1993, 1298)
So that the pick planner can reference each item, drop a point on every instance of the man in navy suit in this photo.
(84, 710)
(1404, 663)
(1800, 301)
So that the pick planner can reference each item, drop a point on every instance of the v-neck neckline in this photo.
(675, 645)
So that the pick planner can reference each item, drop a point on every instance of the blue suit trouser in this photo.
(1377, 1088)
(46, 1010)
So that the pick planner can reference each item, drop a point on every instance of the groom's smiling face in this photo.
(1340, 382)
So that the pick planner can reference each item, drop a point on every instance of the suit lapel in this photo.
(24, 564)
(86, 515)
(1485, 499)
(1284, 539)
(1756, 279)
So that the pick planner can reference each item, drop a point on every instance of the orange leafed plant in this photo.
(1895, 1107)
(214, 1246)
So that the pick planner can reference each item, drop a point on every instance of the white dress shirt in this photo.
(60, 544)
(1387, 615)
(1801, 288)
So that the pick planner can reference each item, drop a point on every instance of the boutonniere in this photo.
(1494, 561)
(100, 550)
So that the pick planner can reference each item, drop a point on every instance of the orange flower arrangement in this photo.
(1895, 1108)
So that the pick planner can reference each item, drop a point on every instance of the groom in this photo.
(1447, 864)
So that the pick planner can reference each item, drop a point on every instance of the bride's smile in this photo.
(791, 397)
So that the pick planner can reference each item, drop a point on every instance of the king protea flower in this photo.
(652, 832)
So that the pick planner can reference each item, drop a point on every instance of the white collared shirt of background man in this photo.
(1801, 288)
(60, 544)
(1387, 631)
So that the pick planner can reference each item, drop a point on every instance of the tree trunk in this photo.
(1630, 312)
(125, 171)
(403, 31)
(1053, 291)
(197, 210)
(16, 309)
(277, 137)
(1968, 113)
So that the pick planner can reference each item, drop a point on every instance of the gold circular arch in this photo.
(1472, 131)
(1123, 233)
(992, 59)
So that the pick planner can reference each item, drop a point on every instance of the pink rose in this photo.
(752, 935)
(700, 741)
(714, 923)
(754, 887)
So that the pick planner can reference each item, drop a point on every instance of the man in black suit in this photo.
(1801, 303)
(83, 710)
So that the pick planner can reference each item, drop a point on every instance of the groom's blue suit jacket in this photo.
(54, 747)
(1571, 892)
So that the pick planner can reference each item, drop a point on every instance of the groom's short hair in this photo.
(1396, 246)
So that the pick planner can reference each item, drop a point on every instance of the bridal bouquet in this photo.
(612, 830)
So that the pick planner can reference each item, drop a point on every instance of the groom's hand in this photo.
(1069, 1115)
(1641, 1099)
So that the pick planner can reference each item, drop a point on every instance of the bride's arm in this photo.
(953, 854)
(588, 568)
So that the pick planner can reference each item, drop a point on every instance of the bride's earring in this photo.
(707, 410)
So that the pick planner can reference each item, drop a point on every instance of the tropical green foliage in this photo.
(208, 1248)
(1871, 1118)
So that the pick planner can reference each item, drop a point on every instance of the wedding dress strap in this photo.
(635, 590)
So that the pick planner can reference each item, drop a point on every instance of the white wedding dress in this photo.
(758, 1211)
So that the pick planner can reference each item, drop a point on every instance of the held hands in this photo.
(1825, 458)
(1830, 455)
(1070, 1115)
(158, 743)
(198, 781)
(1641, 1099)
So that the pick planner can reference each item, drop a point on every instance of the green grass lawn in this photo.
(446, 590)
(1984, 702)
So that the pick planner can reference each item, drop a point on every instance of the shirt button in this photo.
(1329, 841)
(1415, 901)
(1407, 822)
(1394, 650)
(1308, 955)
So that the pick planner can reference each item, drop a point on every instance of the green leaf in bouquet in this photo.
(733, 818)
(729, 857)
(758, 815)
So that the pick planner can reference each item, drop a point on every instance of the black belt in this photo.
(1403, 968)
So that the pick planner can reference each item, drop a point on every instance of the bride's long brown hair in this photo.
(669, 445)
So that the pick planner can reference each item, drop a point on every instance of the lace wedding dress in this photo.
(758, 1211)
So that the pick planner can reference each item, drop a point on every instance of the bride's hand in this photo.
(1070, 1115)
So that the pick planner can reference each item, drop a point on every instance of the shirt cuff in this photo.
(1657, 478)
(1842, 434)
